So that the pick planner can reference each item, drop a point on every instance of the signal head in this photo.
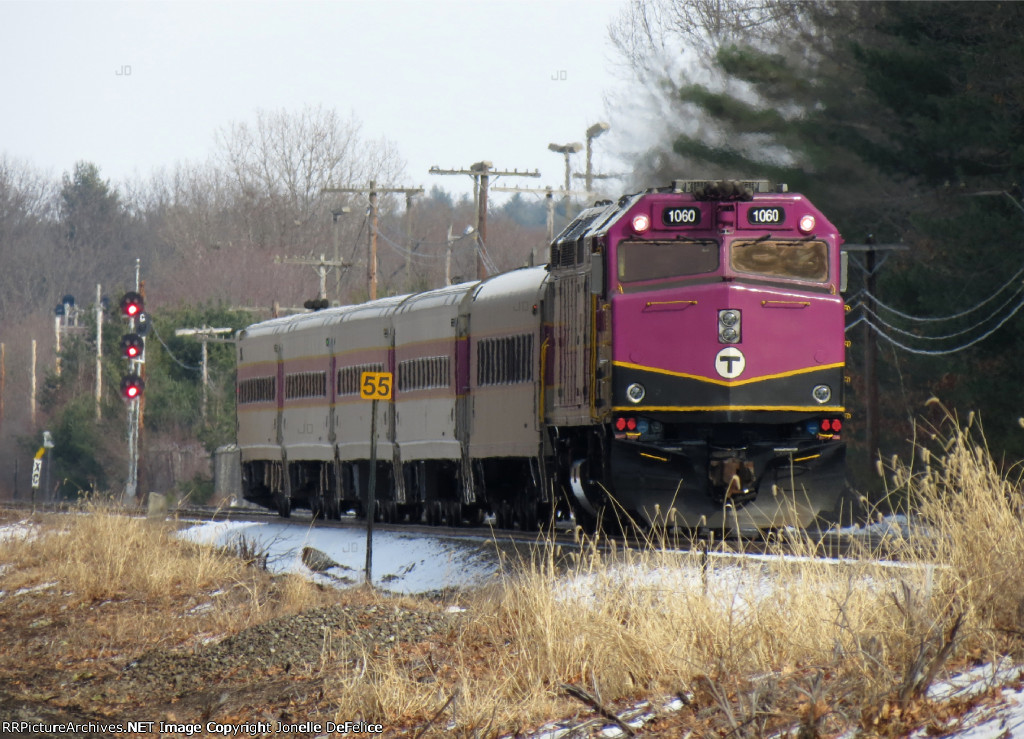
(131, 305)
(131, 346)
(132, 387)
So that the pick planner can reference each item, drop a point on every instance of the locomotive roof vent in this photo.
(722, 189)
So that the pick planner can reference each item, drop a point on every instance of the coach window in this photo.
(257, 390)
(798, 260)
(504, 361)
(348, 377)
(640, 261)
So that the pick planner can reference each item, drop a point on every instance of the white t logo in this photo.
(730, 362)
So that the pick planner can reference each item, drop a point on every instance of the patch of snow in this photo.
(35, 588)
(17, 531)
(402, 563)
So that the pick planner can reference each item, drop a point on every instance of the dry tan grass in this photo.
(757, 645)
(100, 554)
(777, 642)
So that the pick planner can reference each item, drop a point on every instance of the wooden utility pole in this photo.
(481, 173)
(870, 267)
(373, 190)
(56, 344)
(205, 334)
(32, 389)
(321, 265)
(99, 352)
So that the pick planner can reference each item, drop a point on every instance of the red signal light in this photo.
(837, 425)
(826, 425)
(131, 304)
(131, 346)
(132, 387)
(620, 424)
(631, 424)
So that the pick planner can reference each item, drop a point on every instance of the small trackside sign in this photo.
(375, 386)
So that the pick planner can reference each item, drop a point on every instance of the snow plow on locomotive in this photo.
(679, 360)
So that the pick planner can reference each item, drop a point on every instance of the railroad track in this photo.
(818, 543)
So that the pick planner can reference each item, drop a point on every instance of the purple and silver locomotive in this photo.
(717, 347)
(680, 361)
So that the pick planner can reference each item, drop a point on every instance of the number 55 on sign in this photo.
(375, 386)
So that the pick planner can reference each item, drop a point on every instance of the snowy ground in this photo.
(402, 563)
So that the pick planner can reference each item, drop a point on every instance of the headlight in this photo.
(729, 326)
(822, 393)
(635, 392)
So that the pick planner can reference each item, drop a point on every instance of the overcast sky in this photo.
(133, 86)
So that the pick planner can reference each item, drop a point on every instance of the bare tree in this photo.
(28, 203)
(260, 196)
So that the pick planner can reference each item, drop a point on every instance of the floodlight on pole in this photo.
(567, 150)
(593, 132)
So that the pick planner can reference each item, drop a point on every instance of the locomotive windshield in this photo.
(652, 260)
(800, 260)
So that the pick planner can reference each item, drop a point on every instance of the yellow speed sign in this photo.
(375, 386)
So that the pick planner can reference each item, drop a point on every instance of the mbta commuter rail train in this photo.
(680, 359)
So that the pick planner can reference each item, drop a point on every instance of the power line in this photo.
(373, 189)
(189, 367)
(989, 299)
(944, 337)
(938, 352)
(481, 173)
(481, 252)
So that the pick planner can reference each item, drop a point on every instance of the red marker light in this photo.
(826, 425)
(631, 424)
(837, 425)
(620, 424)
